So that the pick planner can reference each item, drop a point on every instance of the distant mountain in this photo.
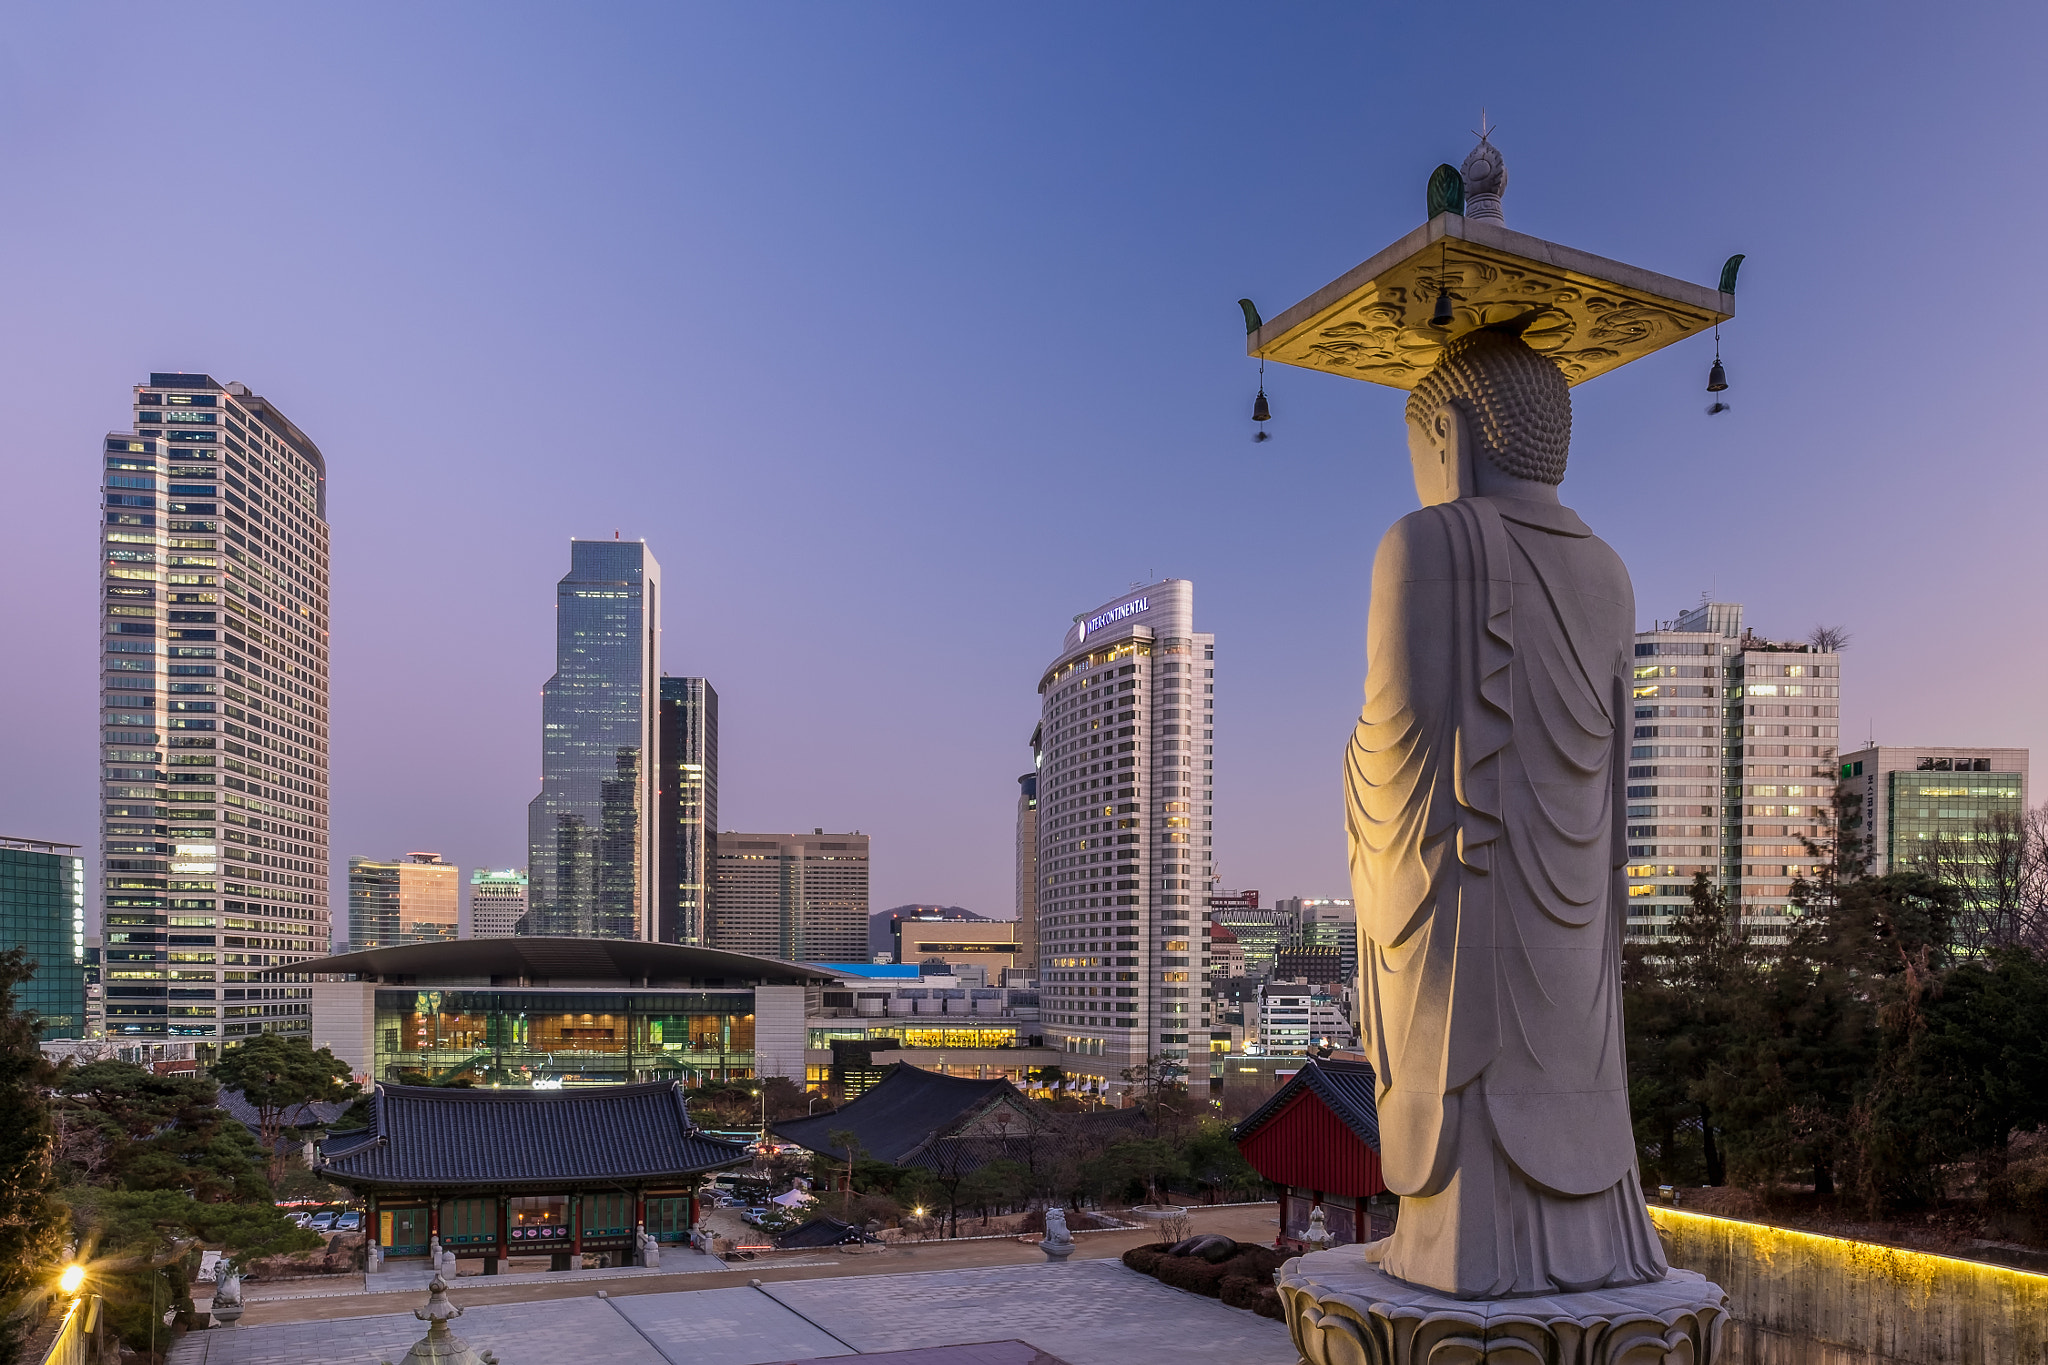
(881, 940)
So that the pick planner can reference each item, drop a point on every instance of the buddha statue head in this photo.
(1491, 418)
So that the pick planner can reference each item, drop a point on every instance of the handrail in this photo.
(78, 1340)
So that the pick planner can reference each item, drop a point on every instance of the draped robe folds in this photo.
(1484, 810)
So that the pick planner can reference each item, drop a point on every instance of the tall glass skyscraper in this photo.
(214, 585)
(686, 851)
(591, 831)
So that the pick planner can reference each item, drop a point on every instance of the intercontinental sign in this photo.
(1107, 618)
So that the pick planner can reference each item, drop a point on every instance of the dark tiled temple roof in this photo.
(443, 1137)
(1345, 1088)
(312, 1114)
(920, 1118)
(899, 1114)
(821, 1232)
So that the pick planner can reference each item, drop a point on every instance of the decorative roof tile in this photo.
(436, 1136)
(1347, 1088)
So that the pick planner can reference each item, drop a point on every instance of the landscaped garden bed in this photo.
(1238, 1273)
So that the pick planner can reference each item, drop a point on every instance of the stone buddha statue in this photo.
(1484, 799)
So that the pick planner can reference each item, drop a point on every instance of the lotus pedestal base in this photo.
(1344, 1311)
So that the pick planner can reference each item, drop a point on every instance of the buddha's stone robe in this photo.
(1484, 792)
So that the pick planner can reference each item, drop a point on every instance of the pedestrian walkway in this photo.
(1085, 1313)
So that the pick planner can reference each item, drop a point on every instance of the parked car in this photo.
(755, 1214)
(322, 1221)
(349, 1222)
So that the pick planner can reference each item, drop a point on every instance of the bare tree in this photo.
(1999, 869)
(1829, 639)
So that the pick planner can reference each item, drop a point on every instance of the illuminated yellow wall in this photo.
(1797, 1298)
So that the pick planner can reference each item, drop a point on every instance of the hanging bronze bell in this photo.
(1441, 318)
(1717, 378)
(1260, 411)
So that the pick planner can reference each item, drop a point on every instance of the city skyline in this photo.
(385, 324)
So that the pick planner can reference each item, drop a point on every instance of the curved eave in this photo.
(631, 961)
(558, 1184)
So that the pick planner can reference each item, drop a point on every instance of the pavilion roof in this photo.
(441, 1136)
(1345, 1088)
(900, 1114)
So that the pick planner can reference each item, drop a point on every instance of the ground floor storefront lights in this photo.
(497, 1173)
(546, 1013)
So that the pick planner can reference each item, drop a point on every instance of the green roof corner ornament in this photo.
(1446, 190)
(1252, 321)
(1728, 269)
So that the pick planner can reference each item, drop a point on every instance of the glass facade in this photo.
(590, 830)
(687, 848)
(214, 661)
(42, 909)
(1953, 807)
(570, 1037)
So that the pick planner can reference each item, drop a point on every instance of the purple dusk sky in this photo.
(904, 332)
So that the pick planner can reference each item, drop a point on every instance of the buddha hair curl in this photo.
(1515, 400)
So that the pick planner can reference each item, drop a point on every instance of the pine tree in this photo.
(31, 1220)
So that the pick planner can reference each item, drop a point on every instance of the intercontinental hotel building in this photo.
(1125, 752)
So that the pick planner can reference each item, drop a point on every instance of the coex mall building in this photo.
(562, 1011)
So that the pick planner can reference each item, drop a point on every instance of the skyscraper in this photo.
(497, 902)
(1027, 873)
(42, 910)
(1126, 781)
(591, 831)
(686, 845)
(214, 736)
(1731, 767)
(798, 897)
(414, 899)
(1955, 810)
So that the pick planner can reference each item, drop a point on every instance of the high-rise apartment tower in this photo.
(1731, 767)
(1126, 749)
(497, 902)
(798, 897)
(591, 832)
(686, 843)
(414, 899)
(214, 734)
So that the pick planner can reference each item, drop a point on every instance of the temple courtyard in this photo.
(1085, 1312)
(806, 1305)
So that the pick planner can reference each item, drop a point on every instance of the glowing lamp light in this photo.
(71, 1279)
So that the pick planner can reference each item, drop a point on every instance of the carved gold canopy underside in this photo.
(1587, 313)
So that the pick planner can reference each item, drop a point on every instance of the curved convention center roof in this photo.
(609, 962)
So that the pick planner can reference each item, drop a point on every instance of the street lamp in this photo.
(763, 1094)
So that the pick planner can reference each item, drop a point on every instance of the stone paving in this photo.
(1085, 1312)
